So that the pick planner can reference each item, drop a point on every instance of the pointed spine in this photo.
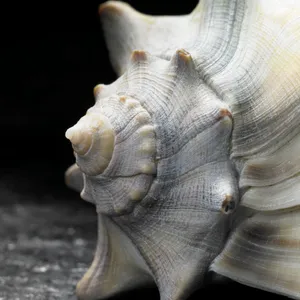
(98, 89)
(138, 56)
(183, 60)
(122, 29)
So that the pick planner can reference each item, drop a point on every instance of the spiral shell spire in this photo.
(92, 139)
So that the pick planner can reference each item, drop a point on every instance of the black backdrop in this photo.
(52, 55)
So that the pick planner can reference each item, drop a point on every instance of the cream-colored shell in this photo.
(191, 156)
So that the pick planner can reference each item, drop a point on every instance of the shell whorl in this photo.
(115, 148)
(131, 136)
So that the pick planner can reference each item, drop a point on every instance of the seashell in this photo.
(191, 155)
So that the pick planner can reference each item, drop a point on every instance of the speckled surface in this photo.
(44, 249)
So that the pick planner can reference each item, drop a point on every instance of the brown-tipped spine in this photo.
(184, 55)
(111, 7)
(123, 98)
(228, 205)
(224, 112)
(183, 59)
(138, 56)
(97, 89)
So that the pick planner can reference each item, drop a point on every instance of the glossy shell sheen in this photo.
(191, 156)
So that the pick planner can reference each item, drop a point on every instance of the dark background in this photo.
(52, 55)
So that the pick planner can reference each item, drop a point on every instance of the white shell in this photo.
(204, 118)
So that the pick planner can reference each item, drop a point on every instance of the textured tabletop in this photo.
(45, 246)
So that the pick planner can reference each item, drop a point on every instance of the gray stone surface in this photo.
(44, 249)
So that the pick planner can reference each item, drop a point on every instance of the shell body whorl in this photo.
(203, 121)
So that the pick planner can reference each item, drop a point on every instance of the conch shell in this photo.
(191, 156)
